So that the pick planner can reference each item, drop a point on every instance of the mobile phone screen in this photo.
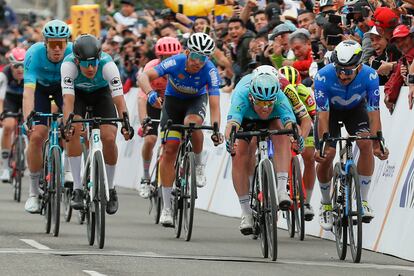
(180, 8)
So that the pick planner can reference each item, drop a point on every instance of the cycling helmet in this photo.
(347, 53)
(265, 83)
(16, 55)
(291, 74)
(87, 47)
(201, 43)
(350, 2)
(324, 3)
(56, 29)
(167, 46)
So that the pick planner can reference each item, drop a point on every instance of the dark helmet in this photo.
(87, 47)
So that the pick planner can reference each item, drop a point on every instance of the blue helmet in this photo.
(264, 85)
(56, 29)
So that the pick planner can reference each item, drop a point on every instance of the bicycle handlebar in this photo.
(33, 114)
(6, 114)
(189, 128)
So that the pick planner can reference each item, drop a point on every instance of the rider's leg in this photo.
(167, 170)
(35, 156)
(9, 125)
(110, 151)
(147, 151)
(241, 176)
(74, 152)
(197, 136)
(309, 173)
(365, 166)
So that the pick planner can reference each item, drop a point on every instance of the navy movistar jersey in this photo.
(330, 93)
(106, 75)
(241, 107)
(39, 69)
(184, 85)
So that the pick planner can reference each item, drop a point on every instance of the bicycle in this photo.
(51, 180)
(263, 196)
(185, 188)
(16, 160)
(94, 178)
(346, 199)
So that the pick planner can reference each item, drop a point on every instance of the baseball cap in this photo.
(282, 29)
(271, 10)
(128, 2)
(373, 31)
(400, 31)
(384, 18)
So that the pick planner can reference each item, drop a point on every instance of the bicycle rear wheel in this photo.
(354, 214)
(189, 194)
(156, 195)
(100, 200)
(298, 198)
(56, 189)
(339, 217)
(290, 213)
(270, 207)
(177, 196)
(67, 193)
(17, 166)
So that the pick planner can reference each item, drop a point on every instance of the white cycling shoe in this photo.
(368, 214)
(68, 176)
(284, 200)
(325, 217)
(32, 205)
(5, 176)
(144, 188)
(200, 177)
(246, 224)
(166, 218)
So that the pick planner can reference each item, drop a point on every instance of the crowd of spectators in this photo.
(274, 32)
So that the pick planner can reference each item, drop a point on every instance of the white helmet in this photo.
(201, 43)
(350, 2)
(265, 69)
(347, 53)
(264, 85)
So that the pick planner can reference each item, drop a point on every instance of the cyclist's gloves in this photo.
(217, 138)
(152, 97)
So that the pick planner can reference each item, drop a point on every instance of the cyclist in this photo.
(297, 92)
(185, 102)
(41, 86)
(91, 78)
(11, 97)
(347, 91)
(164, 48)
(258, 102)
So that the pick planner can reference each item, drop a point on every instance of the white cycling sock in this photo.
(5, 153)
(66, 163)
(245, 205)
(34, 184)
(146, 164)
(199, 158)
(75, 165)
(110, 172)
(166, 197)
(364, 183)
(326, 192)
(308, 195)
(282, 178)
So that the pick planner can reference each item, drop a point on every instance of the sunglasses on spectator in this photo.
(344, 71)
(197, 56)
(87, 63)
(56, 43)
(260, 103)
(17, 65)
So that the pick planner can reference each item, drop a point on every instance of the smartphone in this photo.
(334, 19)
(220, 2)
(344, 20)
(315, 48)
(108, 3)
(406, 20)
(207, 30)
(375, 64)
(333, 39)
(180, 8)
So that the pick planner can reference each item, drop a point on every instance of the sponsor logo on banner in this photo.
(407, 194)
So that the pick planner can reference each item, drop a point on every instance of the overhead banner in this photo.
(85, 20)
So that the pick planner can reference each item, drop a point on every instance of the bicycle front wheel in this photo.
(270, 207)
(67, 193)
(56, 190)
(189, 194)
(354, 205)
(18, 167)
(100, 200)
(298, 198)
(44, 184)
(338, 212)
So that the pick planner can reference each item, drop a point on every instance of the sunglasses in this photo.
(260, 103)
(87, 63)
(17, 65)
(344, 71)
(197, 56)
(56, 43)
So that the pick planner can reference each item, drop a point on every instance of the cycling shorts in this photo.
(44, 96)
(100, 100)
(12, 103)
(177, 110)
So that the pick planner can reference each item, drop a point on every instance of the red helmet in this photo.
(17, 55)
(167, 46)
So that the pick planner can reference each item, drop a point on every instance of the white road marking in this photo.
(35, 244)
(93, 273)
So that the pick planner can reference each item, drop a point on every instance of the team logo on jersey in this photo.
(373, 76)
(68, 81)
(343, 102)
(310, 101)
(115, 81)
(181, 76)
(292, 96)
(319, 78)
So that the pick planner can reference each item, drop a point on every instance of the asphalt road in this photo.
(135, 246)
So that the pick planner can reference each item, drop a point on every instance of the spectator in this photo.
(385, 19)
(127, 16)
(305, 19)
(299, 42)
(7, 15)
(200, 24)
(241, 38)
(280, 48)
(168, 30)
(404, 40)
